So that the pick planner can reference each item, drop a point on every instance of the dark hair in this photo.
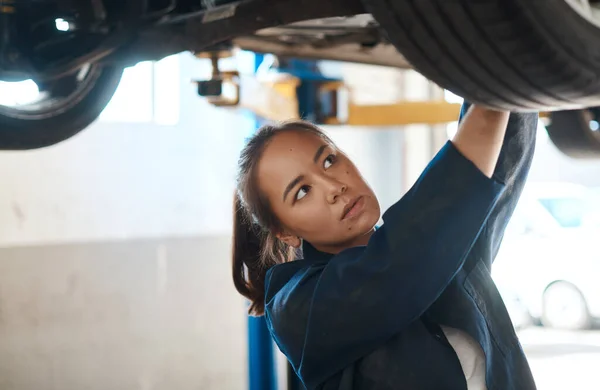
(255, 245)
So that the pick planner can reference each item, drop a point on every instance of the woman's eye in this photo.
(329, 161)
(302, 192)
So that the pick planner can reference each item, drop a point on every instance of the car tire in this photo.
(32, 128)
(525, 55)
(575, 132)
(565, 307)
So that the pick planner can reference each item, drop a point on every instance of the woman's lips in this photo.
(355, 209)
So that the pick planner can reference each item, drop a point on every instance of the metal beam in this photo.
(274, 97)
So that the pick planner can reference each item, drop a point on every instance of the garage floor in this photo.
(562, 359)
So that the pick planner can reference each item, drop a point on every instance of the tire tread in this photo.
(490, 52)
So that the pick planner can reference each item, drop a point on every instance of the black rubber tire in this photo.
(33, 133)
(572, 133)
(524, 55)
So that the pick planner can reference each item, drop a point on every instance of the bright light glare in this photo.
(62, 25)
(452, 98)
(20, 93)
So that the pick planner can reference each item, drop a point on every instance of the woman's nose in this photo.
(335, 189)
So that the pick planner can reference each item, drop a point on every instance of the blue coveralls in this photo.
(369, 317)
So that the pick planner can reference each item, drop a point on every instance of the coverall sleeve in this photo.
(328, 315)
(512, 170)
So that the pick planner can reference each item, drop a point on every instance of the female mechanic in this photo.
(408, 305)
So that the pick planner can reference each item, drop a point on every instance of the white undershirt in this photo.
(470, 355)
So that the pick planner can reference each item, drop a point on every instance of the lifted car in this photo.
(508, 54)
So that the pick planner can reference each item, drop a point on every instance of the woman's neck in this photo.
(337, 248)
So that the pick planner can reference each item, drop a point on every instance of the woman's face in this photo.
(316, 192)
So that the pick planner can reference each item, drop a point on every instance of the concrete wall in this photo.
(136, 314)
(114, 267)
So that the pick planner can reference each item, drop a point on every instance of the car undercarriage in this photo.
(502, 54)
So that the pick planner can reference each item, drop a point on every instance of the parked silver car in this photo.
(549, 260)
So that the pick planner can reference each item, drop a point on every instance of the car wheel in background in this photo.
(576, 133)
(62, 108)
(564, 307)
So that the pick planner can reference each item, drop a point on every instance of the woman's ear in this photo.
(290, 239)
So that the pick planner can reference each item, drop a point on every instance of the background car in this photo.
(549, 259)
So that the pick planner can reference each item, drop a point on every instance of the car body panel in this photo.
(349, 39)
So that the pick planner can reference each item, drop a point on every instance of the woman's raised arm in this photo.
(480, 135)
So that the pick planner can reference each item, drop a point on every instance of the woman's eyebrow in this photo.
(320, 152)
(291, 186)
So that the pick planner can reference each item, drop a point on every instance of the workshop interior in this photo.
(121, 124)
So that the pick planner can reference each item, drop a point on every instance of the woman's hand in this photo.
(480, 135)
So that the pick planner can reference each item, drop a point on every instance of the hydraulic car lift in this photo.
(298, 90)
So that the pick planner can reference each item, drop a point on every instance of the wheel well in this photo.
(565, 282)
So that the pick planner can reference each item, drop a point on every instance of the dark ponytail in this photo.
(255, 244)
(248, 270)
